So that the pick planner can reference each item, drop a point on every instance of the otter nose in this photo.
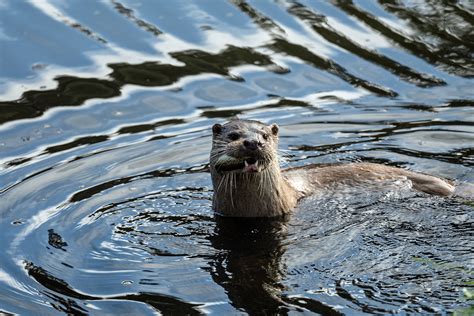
(252, 144)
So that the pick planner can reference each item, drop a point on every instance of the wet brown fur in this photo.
(275, 192)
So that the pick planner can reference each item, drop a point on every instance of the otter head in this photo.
(243, 146)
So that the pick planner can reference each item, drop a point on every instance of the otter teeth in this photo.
(252, 166)
(253, 163)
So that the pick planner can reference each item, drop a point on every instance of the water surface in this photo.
(105, 194)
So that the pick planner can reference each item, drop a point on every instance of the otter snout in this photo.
(252, 144)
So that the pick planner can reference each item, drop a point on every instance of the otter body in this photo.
(248, 181)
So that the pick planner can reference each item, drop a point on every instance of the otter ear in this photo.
(217, 129)
(275, 129)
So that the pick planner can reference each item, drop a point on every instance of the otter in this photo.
(248, 181)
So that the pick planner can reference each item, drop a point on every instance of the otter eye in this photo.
(265, 136)
(233, 136)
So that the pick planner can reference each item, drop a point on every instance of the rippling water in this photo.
(105, 115)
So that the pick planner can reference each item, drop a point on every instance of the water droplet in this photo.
(127, 282)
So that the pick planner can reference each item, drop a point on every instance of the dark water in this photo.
(105, 196)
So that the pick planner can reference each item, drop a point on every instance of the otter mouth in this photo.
(245, 165)
(250, 165)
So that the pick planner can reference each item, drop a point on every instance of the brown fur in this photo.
(247, 198)
(273, 192)
(360, 173)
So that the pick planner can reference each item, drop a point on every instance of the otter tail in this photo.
(430, 184)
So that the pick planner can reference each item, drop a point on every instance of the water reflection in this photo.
(319, 25)
(127, 12)
(73, 91)
(162, 303)
(248, 264)
(444, 24)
